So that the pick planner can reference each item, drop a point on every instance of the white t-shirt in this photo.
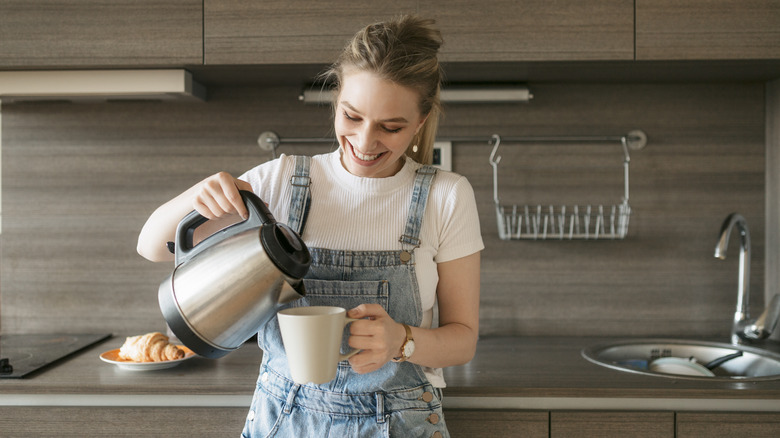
(369, 214)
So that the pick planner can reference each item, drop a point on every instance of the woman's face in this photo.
(376, 121)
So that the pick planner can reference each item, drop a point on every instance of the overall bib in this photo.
(394, 401)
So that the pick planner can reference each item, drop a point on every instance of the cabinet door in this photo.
(93, 33)
(707, 29)
(534, 30)
(584, 424)
(728, 424)
(94, 421)
(288, 31)
(496, 423)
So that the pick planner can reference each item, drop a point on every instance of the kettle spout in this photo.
(291, 290)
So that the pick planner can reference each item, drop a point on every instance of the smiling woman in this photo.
(376, 121)
(405, 58)
(390, 238)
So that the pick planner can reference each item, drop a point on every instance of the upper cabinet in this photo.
(302, 31)
(707, 29)
(94, 33)
(534, 30)
(183, 33)
(288, 31)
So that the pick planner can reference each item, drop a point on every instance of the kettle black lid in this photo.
(286, 249)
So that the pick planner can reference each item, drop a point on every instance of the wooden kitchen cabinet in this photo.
(94, 33)
(113, 421)
(534, 30)
(288, 31)
(299, 31)
(728, 424)
(707, 29)
(466, 423)
(603, 424)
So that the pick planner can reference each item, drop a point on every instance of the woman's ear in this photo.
(421, 124)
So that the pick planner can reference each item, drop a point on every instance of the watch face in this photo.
(409, 348)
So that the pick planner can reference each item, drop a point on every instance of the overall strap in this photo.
(300, 201)
(422, 183)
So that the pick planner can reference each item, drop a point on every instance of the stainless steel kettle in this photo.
(225, 288)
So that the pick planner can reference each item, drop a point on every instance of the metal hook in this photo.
(493, 159)
(624, 140)
(494, 162)
(626, 159)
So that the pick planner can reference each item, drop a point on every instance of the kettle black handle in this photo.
(259, 215)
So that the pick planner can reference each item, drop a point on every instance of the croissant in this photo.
(151, 347)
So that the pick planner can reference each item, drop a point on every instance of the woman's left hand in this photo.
(376, 334)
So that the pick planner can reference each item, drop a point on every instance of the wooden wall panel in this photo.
(463, 423)
(772, 250)
(704, 159)
(534, 30)
(79, 180)
(707, 29)
(291, 31)
(612, 424)
(299, 31)
(121, 421)
(727, 424)
(97, 33)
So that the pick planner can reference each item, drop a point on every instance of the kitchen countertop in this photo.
(506, 373)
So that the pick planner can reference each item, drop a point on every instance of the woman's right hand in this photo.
(218, 196)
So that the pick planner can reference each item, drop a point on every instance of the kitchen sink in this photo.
(686, 359)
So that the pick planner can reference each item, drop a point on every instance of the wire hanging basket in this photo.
(561, 222)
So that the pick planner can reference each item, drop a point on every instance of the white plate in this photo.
(112, 357)
(679, 366)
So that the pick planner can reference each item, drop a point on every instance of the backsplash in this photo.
(79, 181)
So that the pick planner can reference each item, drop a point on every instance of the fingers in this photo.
(364, 362)
(371, 357)
(211, 203)
(367, 311)
(374, 333)
(369, 329)
(243, 185)
(374, 354)
(231, 189)
(219, 196)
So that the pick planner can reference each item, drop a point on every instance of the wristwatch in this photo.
(408, 348)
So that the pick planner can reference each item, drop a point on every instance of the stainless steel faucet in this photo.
(745, 329)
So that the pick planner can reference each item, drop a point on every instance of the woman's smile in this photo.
(364, 157)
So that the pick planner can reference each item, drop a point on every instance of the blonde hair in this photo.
(403, 51)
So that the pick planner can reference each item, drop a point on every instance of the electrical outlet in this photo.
(442, 155)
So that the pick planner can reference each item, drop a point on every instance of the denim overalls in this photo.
(395, 401)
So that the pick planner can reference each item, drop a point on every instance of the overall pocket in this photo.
(346, 294)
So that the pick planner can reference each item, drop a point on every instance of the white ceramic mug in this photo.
(312, 340)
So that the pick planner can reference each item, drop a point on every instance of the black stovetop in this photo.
(24, 354)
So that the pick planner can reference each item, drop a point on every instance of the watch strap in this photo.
(403, 357)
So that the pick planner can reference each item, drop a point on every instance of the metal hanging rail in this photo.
(269, 140)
